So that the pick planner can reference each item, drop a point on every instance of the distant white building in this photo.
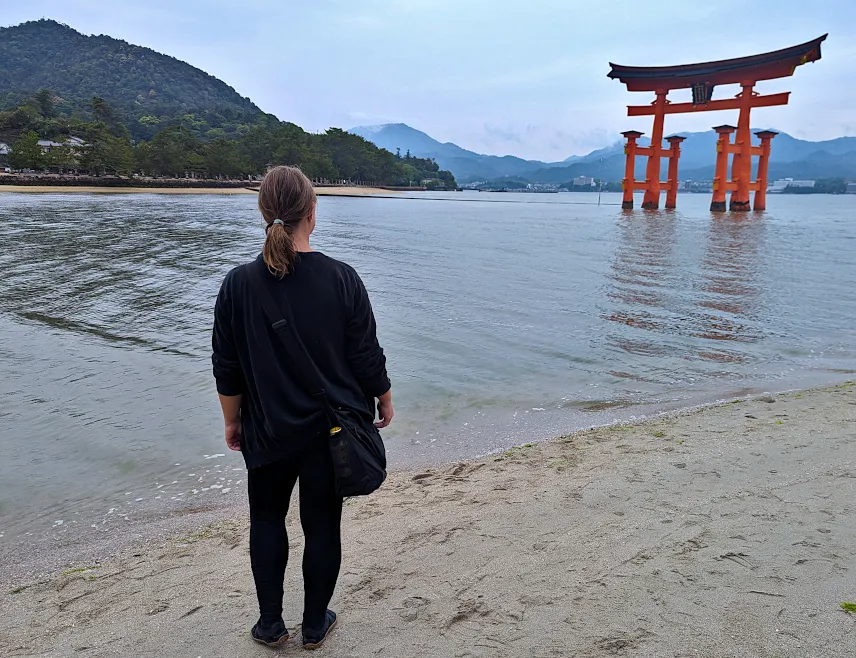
(778, 186)
(46, 145)
(583, 181)
(851, 188)
(72, 143)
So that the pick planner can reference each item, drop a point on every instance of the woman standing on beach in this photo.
(281, 429)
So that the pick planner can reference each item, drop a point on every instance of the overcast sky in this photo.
(494, 76)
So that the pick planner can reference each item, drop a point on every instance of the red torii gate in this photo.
(702, 78)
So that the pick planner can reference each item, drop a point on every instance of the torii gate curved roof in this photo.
(766, 66)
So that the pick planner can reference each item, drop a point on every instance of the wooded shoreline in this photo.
(116, 185)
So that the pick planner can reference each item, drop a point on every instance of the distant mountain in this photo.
(700, 148)
(790, 157)
(818, 164)
(144, 86)
(467, 165)
(598, 154)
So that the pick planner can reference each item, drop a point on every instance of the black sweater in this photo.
(331, 313)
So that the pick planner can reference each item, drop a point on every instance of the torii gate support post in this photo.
(629, 182)
(741, 167)
(651, 200)
(674, 156)
(720, 179)
(763, 164)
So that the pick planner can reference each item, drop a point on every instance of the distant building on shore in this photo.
(695, 186)
(851, 188)
(583, 181)
(47, 145)
(69, 142)
(4, 154)
(779, 186)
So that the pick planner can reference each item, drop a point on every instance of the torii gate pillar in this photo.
(720, 178)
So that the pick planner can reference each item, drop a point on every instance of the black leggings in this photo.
(270, 488)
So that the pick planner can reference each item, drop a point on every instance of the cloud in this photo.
(502, 134)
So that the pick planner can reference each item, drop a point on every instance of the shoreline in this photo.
(724, 529)
(88, 539)
(82, 189)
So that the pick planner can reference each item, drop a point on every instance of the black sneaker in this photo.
(315, 639)
(271, 636)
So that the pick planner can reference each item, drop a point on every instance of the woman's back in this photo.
(328, 307)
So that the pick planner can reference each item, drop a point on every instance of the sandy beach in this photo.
(720, 532)
(69, 189)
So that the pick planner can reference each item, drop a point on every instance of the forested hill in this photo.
(146, 88)
(110, 107)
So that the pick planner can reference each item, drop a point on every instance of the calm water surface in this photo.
(506, 318)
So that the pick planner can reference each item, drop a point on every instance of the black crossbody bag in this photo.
(359, 456)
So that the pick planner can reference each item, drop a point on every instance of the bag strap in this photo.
(302, 366)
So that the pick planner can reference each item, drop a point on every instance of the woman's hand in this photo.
(384, 410)
(233, 435)
(231, 405)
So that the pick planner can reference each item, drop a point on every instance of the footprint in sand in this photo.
(160, 606)
(411, 607)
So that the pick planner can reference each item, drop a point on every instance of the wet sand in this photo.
(68, 189)
(723, 532)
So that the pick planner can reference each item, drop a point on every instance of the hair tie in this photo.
(278, 221)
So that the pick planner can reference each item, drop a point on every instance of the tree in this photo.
(45, 103)
(106, 154)
(21, 119)
(143, 158)
(448, 180)
(118, 156)
(406, 175)
(170, 152)
(104, 113)
(221, 158)
(26, 152)
(257, 147)
(60, 157)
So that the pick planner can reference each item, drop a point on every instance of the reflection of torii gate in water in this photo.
(702, 78)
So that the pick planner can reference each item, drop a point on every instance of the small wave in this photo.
(66, 324)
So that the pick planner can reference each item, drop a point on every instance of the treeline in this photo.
(181, 150)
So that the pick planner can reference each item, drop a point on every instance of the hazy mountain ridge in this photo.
(790, 157)
(449, 156)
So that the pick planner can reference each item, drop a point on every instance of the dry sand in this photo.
(66, 189)
(722, 532)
